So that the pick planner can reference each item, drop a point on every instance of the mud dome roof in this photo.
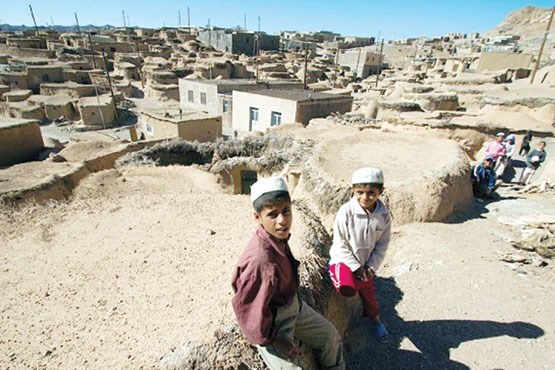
(419, 186)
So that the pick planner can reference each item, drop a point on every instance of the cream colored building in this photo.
(260, 110)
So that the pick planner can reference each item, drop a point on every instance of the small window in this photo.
(203, 98)
(190, 96)
(276, 119)
(225, 107)
(113, 50)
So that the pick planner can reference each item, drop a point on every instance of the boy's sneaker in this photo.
(380, 332)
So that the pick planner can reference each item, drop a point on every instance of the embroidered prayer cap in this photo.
(267, 185)
(367, 175)
(500, 134)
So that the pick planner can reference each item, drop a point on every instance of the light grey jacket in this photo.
(359, 238)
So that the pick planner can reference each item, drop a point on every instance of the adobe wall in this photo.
(203, 130)
(307, 110)
(19, 142)
(495, 61)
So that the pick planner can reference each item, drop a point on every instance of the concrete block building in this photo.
(215, 96)
(263, 109)
(238, 42)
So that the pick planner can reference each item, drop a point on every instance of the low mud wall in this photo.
(429, 194)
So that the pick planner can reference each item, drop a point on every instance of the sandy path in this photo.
(450, 303)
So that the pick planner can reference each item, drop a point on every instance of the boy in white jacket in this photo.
(361, 234)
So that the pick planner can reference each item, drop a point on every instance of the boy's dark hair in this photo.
(266, 200)
(378, 185)
(542, 142)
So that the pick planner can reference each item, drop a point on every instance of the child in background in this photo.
(483, 178)
(534, 159)
(361, 234)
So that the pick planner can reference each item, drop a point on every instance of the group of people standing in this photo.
(266, 280)
(498, 157)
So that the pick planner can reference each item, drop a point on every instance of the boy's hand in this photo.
(286, 347)
(364, 274)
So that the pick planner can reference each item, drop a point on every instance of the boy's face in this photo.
(366, 195)
(541, 146)
(276, 219)
(487, 163)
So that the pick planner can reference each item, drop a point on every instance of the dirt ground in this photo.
(138, 264)
(449, 302)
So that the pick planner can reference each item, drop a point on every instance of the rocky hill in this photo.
(530, 24)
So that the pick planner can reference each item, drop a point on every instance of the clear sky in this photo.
(393, 18)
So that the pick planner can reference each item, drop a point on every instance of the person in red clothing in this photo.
(265, 283)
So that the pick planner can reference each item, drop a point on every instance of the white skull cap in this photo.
(267, 185)
(367, 175)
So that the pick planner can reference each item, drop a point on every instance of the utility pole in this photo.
(92, 51)
(358, 62)
(245, 21)
(305, 85)
(110, 84)
(209, 33)
(258, 24)
(77, 23)
(34, 21)
(379, 64)
(188, 18)
(52, 22)
(542, 46)
(256, 55)
(123, 15)
(179, 18)
(128, 22)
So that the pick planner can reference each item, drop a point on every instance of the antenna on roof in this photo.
(188, 18)
(34, 21)
(179, 18)
(123, 15)
(128, 22)
(92, 50)
(77, 23)
(245, 21)
(258, 24)
(52, 22)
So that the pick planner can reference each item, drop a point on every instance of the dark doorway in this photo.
(247, 179)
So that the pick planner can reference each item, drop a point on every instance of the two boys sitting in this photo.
(265, 280)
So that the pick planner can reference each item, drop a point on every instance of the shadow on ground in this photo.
(433, 339)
